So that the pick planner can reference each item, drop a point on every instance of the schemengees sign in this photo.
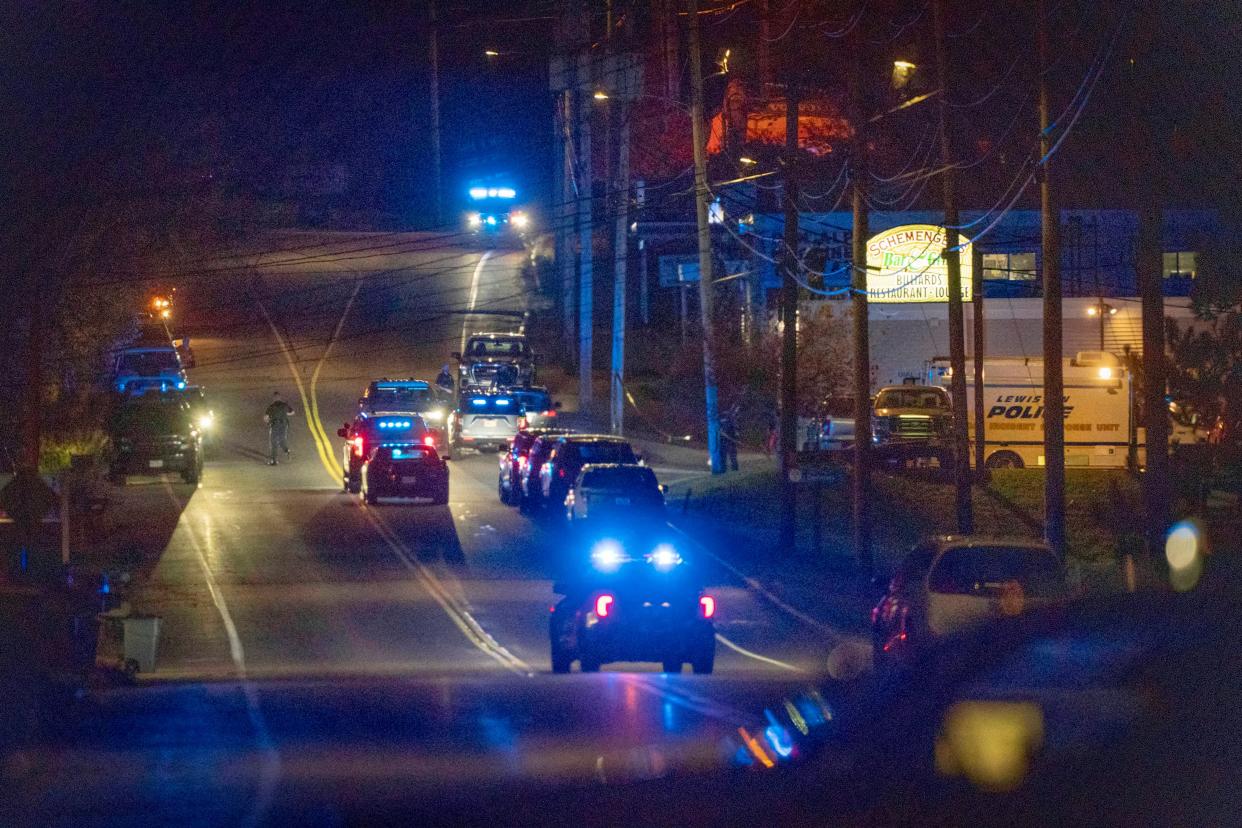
(906, 264)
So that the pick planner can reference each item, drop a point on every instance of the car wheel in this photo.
(501, 493)
(192, 474)
(369, 497)
(671, 665)
(353, 485)
(1004, 460)
(561, 660)
(704, 661)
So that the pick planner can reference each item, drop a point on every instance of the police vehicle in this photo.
(492, 215)
(637, 599)
(366, 434)
(486, 421)
(415, 471)
(408, 396)
(500, 361)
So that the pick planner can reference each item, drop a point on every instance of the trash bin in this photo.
(141, 640)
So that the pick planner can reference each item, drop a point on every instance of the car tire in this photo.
(353, 485)
(501, 493)
(671, 666)
(1004, 460)
(562, 661)
(369, 497)
(704, 661)
(441, 499)
(192, 474)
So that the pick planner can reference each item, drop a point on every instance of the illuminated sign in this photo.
(906, 264)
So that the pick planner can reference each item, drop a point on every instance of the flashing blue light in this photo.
(505, 192)
(664, 557)
(180, 385)
(478, 402)
(395, 423)
(399, 384)
(397, 452)
(478, 193)
(607, 556)
(778, 738)
(491, 221)
(502, 403)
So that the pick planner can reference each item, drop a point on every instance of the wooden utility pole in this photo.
(953, 265)
(1054, 384)
(586, 235)
(860, 493)
(789, 332)
(433, 55)
(568, 213)
(701, 196)
(980, 344)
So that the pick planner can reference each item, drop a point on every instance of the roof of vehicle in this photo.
(593, 438)
(497, 335)
(394, 385)
(645, 471)
(911, 388)
(541, 431)
(943, 542)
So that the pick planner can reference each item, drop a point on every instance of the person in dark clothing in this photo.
(728, 439)
(444, 383)
(277, 418)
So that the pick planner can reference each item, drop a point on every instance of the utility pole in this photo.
(789, 332)
(764, 48)
(976, 270)
(953, 264)
(701, 196)
(586, 253)
(1054, 383)
(621, 246)
(433, 55)
(860, 493)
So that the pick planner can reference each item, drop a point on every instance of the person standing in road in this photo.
(277, 419)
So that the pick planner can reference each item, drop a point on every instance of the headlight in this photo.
(435, 415)
(519, 220)
(205, 420)
(607, 556)
(664, 557)
(474, 220)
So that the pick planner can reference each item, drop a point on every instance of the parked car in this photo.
(415, 471)
(614, 490)
(570, 453)
(514, 461)
(911, 422)
(530, 486)
(538, 407)
(948, 584)
(154, 435)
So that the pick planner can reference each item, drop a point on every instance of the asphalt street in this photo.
(286, 602)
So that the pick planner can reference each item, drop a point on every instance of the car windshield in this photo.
(991, 569)
(534, 401)
(150, 419)
(633, 477)
(148, 363)
(412, 398)
(497, 347)
(912, 398)
(608, 452)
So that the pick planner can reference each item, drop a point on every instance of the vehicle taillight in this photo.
(522, 461)
(560, 472)
(551, 412)
(603, 605)
(429, 441)
(707, 604)
(357, 441)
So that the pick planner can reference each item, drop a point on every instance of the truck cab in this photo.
(911, 422)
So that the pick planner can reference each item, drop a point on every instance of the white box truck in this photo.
(1100, 428)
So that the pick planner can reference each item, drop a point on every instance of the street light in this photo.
(750, 162)
(1103, 310)
(491, 53)
(600, 95)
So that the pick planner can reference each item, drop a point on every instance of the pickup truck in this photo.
(910, 422)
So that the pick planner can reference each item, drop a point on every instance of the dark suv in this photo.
(366, 434)
(514, 461)
(570, 454)
(153, 435)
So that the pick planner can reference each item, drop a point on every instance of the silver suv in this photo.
(485, 421)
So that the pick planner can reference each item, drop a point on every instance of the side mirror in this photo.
(343, 433)
(557, 405)
(456, 355)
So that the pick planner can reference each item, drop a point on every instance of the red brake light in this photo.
(357, 441)
(708, 605)
(603, 605)
(429, 441)
(522, 460)
(551, 412)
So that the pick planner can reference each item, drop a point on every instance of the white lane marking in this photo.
(271, 762)
(765, 659)
(474, 296)
(456, 611)
(753, 584)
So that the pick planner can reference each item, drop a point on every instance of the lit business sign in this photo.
(906, 264)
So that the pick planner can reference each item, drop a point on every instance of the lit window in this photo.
(1180, 264)
(1009, 266)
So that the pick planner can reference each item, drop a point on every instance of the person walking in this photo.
(277, 418)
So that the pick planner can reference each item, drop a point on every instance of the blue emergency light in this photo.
(397, 385)
(391, 424)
